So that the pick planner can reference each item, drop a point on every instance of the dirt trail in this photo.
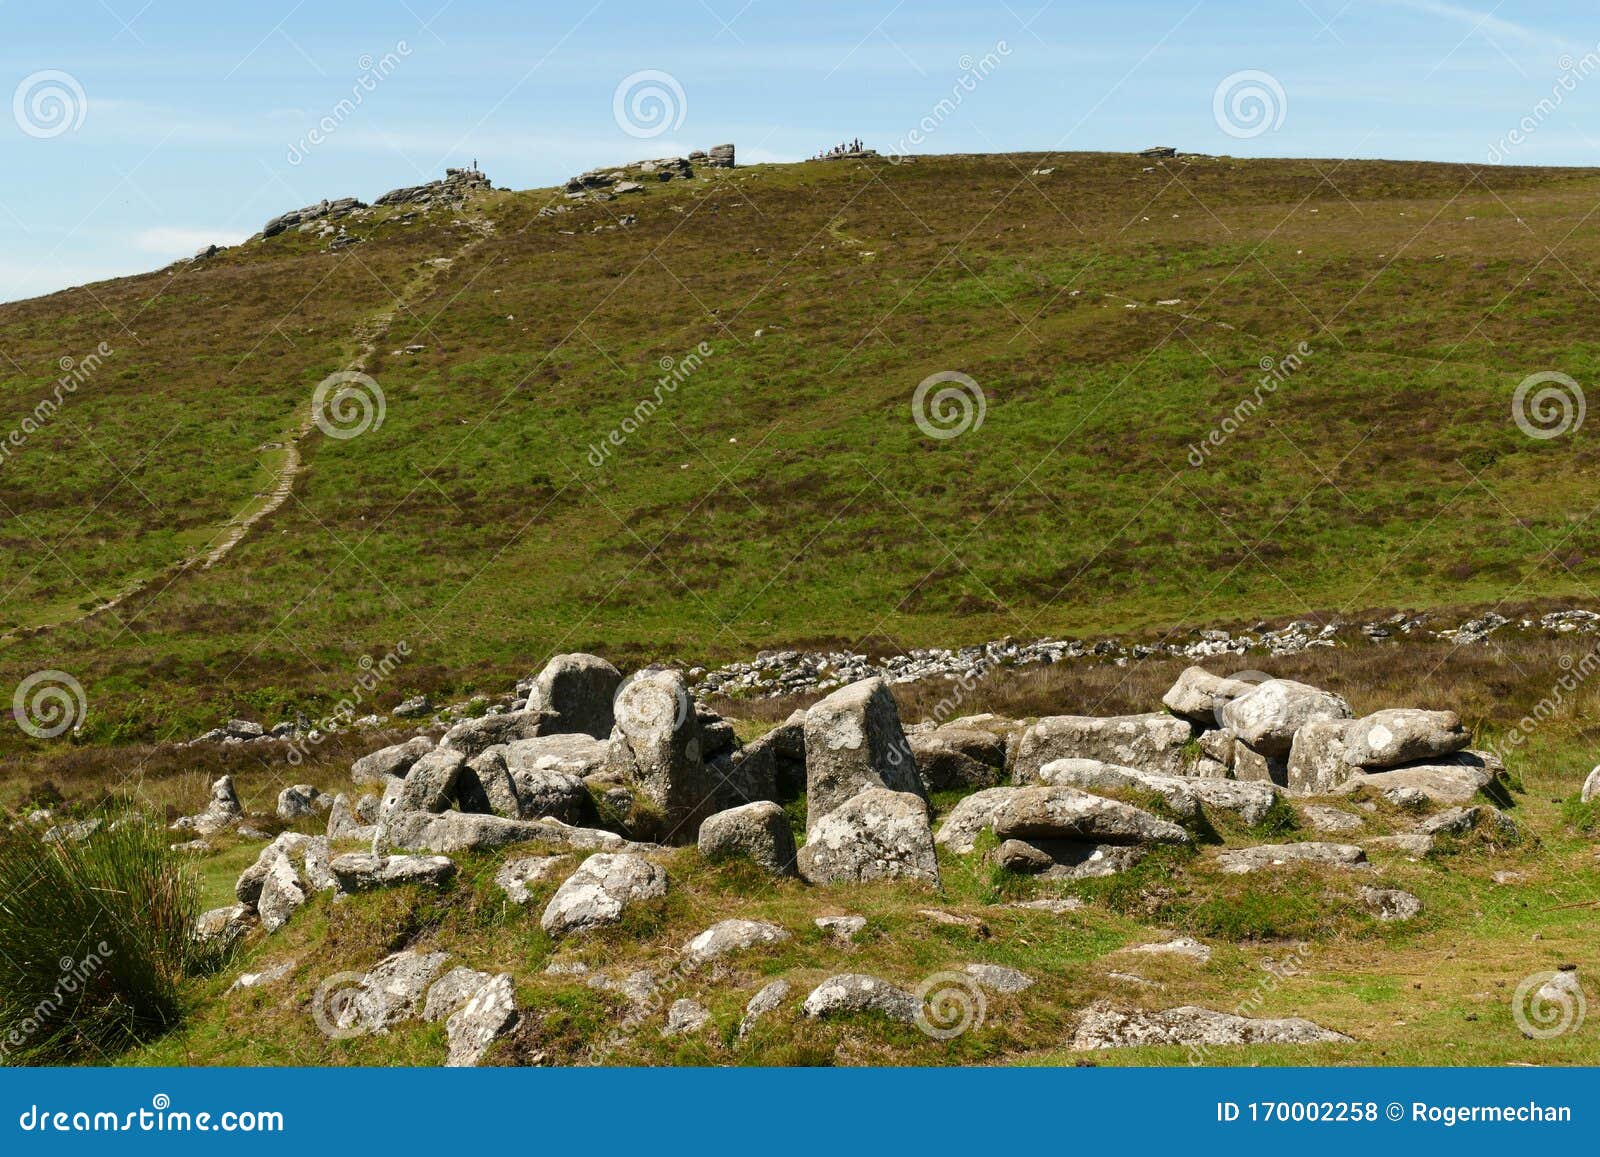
(369, 336)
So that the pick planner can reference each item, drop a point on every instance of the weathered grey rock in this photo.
(329, 210)
(281, 893)
(1403, 735)
(576, 692)
(248, 887)
(876, 835)
(844, 929)
(271, 974)
(569, 753)
(951, 758)
(719, 157)
(1153, 742)
(1252, 766)
(854, 743)
(342, 822)
(1591, 787)
(393, 991)
(365, 872)
(223, 927)
(767, 1000)
(731, 936)
(486, 787)
(655, 745)
(1065, 813)
(222, 812)
(1455, 779)
(451, 991)
(430, 785)
(1317, 761)
(1454, 821)
(1390, 904)
(970, 816)
(854, 993)
(475, 736)
(998, 978)
(1332, 819)
(1103, 1027)
(1066, 859)
(489, 1015)
(598, 893)
(515, 875)
(1199, 696)
(1269, 714)
(314, 867)
(1409, 844)
(390, 762)
(1217, 746)
(685, 1016)
(1185, 795)
(299, 801)
(756, 831)
(746, 775)
(463, 832)
(1242, 860)
(1185, 946)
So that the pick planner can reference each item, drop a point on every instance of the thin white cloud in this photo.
(1487, 22)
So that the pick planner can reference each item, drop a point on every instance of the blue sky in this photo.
(180, 123)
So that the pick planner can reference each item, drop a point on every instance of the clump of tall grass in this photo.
(94, 941)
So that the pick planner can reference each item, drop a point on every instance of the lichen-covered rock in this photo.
(1242, 860)
(1332, 819)
(1403, 735)
(1267, 716)
(876, 835)
(1065, 813)
(1317, 761)
(390, 762)
(485, 786)
(364, 872)
(1454, 779)
(767, 1000)
(484, 1019)
(1253, 766)
(1103, 1027)
(854, 743)
(515, 875)
(300, 800)
(971, 815)
(655, 745)
(998, 978)
(1199, 696)
(576, 692)
(1066, 859)
(598, 893)
(1390, 904)
(686, 1017)
(430, 785)
(731, 936)
(1152, 742)
(1591, 787)
(854, 993)
(281, 893)
(451, 991)
(951, 758)
(223, 811)
(756, 831)
(454, 832)
(475, 736)
(223, 927)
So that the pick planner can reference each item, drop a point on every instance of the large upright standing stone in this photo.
(576, 691)
(655, 744)
(854, 743)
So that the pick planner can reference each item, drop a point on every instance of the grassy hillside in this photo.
(1113, 311)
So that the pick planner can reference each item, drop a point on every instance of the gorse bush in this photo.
(94, 941)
